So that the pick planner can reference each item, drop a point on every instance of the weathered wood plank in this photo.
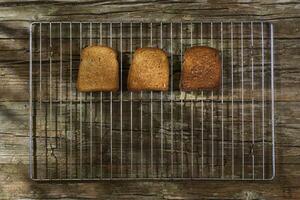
(284, 139)
(17, 185)
(169, 9)
(15, 17)
(15, 73)
(20, 29)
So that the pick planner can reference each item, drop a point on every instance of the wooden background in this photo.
(15, 17)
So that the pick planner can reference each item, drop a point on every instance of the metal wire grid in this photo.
(226, 134)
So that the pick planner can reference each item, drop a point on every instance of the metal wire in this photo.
(224, 134)
(80, 109)
(121, 98)
(222, 99)
(232, 104)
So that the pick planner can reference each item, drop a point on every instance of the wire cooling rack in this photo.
(226, 134)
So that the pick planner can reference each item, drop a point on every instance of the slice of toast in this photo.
(149, 70)
(98, 70)
(201, 69)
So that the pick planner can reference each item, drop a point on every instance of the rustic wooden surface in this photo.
(15, 17)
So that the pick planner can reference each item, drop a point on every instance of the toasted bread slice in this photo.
(201, 69)
(98, 70)
(149, 70)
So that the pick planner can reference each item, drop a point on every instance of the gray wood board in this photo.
(15, 18)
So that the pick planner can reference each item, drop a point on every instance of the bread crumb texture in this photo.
(98, 70)
(201, 69)
(149, 70)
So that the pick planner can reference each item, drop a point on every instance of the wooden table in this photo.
(14, 33)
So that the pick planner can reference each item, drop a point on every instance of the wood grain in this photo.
(15, 17)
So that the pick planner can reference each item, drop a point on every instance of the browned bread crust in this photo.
(149, 70)
(98, 70)
(201, 69)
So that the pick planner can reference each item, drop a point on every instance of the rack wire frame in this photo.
(56, 153)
